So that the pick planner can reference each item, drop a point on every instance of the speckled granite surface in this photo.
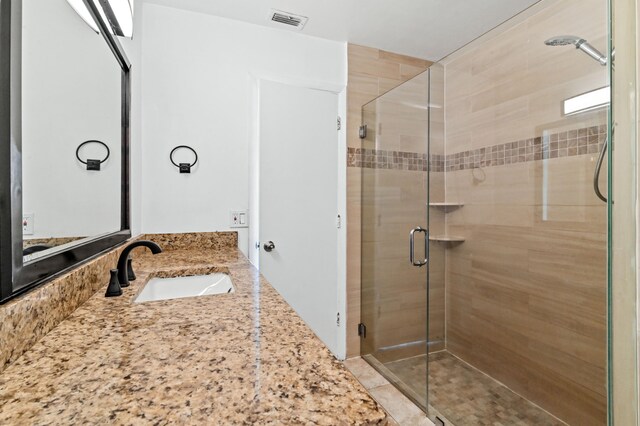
(239, 358)
(51, 242)
(25, 320)
(202, 240)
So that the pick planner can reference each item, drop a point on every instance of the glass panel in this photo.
(395, 194)
(526, 291)
(516, 293)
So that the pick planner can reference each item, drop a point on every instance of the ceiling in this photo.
(428, 29)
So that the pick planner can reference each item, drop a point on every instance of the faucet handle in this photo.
(130, 273)
(114, 288)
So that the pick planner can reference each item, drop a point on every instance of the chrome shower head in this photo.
(579, 43)
(564, 41)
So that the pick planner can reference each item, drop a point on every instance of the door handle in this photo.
(412, 244)
(268, 247)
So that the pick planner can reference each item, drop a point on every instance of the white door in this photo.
(298, 205)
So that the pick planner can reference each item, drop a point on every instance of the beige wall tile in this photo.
(371, 73)
(364, 51)
(404, 60)
(409, 71)
(375, 67)
(526, 291)
(353, 260)
(387, 84)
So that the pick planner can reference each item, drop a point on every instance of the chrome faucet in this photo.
(123, 275)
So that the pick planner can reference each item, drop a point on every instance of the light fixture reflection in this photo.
(81, 9)
(118, 14)
(123, 14)
(588, 101)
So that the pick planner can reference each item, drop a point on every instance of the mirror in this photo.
(71, 93)
(63, 201)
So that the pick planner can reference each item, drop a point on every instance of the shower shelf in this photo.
(447, 207)
(446, 238)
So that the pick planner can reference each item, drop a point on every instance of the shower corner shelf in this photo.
(447, 207)
(446, 239)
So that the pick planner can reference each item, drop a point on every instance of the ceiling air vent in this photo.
(288, 19)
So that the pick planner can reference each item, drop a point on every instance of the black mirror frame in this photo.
(16, 278)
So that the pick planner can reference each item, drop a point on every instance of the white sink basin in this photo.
(179, 287)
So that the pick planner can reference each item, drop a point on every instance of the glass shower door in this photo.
(395, 198)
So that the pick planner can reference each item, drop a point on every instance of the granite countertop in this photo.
(239, 358)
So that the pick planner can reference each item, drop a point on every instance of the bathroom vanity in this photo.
(68, 354)
(243, 357)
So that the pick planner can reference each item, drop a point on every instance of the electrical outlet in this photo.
(239, 219)
(27, 224)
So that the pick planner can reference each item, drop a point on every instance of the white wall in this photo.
(71, 93)
(197, 77)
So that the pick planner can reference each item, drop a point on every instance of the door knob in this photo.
(269, 246)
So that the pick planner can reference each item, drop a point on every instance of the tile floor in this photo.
(466, 396)
(460, 394)
(402, 411)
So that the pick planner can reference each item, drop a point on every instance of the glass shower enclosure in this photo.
(402, 219)
(484, 245)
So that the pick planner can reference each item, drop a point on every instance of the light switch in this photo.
(239, 219)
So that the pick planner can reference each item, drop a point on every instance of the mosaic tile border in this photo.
(587, 140)
(393, 160)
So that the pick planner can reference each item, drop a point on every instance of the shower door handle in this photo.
(412, 245)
